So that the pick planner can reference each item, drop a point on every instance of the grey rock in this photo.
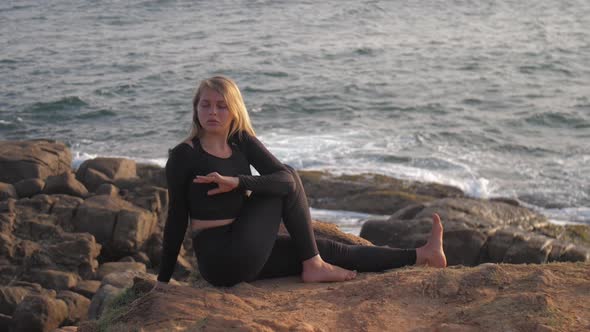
(101, 299)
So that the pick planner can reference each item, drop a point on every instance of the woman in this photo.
(235, 234)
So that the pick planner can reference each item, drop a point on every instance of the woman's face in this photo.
(212, 112)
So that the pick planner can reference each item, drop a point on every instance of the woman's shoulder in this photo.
(241, 138)
(181, 149)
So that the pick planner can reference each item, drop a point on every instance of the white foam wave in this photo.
(577, 215)
(337, 159)
(347, 221)
(79, 157)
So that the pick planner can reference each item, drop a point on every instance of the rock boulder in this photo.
(41, 158)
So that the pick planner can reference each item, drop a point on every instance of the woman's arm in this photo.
(177, 221)
(274, 177)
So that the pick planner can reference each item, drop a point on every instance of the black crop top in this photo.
(190, 200)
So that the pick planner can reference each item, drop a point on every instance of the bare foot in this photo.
(316, 270)
(432, 253)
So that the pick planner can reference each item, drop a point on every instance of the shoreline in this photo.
(79, 158)
(87, 235)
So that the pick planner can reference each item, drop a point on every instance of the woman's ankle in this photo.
(313, 262)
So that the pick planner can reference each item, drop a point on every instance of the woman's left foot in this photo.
(316, 269)
(432, 253)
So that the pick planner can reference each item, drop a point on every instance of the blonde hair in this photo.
(235, 104)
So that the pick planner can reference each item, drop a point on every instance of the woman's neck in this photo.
(214, 142)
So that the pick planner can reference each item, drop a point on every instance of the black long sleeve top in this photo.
(190, 200)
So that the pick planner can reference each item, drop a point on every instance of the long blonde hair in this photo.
(235, 104)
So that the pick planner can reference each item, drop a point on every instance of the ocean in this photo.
(491, 96)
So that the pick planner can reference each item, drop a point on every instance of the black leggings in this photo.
(250, 248)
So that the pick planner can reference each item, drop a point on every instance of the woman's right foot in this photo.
(432, 253)
(316, 269)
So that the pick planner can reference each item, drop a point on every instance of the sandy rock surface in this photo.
(490, 297)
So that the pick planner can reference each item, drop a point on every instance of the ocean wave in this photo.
(568, 215)
(556, 120)
(522, 149)
(51, 109)
(7, 124)
(545, 67)
(96, 115)
(8, 61)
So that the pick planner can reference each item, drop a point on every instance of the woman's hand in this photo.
(224, 183)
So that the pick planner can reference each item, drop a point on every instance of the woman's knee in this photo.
(291, 170)
(296, 178)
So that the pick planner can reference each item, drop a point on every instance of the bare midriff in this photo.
(199, 225)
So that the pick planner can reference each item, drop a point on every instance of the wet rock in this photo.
(111, 267)
(10, 297)
(574, 253)
(153, 248)
(29, 187)
(63, 209)
(99, 301)
(30, 207)
(107, 189)
(475, 231)
(94, 172)
(127, 259)
(370, 193)
(55, 249)
(52, 279)
(64, 183)
(67, 329)
(125, 279)
(77, 306)
(117, 224)
(87, 288)
(325, 230)
(528, 248)
(39, 313)
(152, 174)
(142, 257)
(41, 158)
(6, 245)
(183, 268)
(7, 191)
(12, 294)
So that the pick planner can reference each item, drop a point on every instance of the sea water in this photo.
(490, 96)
